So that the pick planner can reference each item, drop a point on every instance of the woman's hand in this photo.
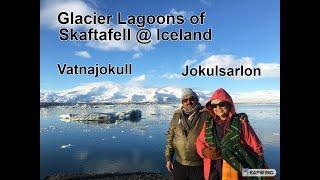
(212, 153)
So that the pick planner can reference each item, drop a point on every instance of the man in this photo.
(184, 129)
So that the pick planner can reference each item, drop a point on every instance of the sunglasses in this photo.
(220, 104)
(192, 99)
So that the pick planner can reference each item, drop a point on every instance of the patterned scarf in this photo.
(237, 155)
(194, 114)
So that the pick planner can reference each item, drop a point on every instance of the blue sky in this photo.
(246, 31)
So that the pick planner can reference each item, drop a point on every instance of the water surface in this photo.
(131, 146)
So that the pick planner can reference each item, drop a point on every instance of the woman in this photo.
(227, 142)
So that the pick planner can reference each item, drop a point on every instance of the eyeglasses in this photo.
(191, 99)
(220, 104)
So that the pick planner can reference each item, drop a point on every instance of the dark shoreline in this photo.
(108, 176)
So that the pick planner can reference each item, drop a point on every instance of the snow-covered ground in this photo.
(118, 93)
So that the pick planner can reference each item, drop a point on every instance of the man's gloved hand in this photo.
(212, 153)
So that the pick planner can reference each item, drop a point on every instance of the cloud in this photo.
(175, 12)
(201, 48)
(50, 10)
(185, 14)
(188, 62)
(123, 45)
(137, 55)
(206, 2)
(171, 76)
(136, 81)
(83, 54)
(266, 96)
(230, 61)
(201, 51)
(270, 69)
(138, 78)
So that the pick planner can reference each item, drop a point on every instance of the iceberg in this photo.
(132, 115)
(65, 146)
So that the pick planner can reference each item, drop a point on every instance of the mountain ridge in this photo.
(113, 93)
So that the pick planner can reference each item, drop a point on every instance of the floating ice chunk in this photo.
(65, 146)
(100, 117)
(122, 115)
(44, 129)
(150, 136)
(132, 115)
(65, 120)
(276, 134)
(155, 114)
(64, 116)
(165, 106)
(67, 116)
(113, 137)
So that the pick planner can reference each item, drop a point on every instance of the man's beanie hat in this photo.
(187, 92)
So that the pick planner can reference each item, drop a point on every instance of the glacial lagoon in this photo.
(130, 146)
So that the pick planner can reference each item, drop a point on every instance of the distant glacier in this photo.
(108, 92)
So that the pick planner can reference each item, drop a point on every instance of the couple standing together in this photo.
(212, 142)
